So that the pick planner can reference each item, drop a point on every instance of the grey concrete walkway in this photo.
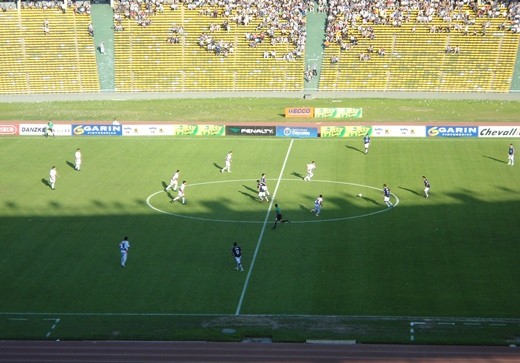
(108, 96)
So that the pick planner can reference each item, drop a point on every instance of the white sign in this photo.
(39, 129)
(398, 131)
(499, 131)
(148, 130)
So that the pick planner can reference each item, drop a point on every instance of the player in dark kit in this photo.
(366, 142)
(426, 187)
(279, 218)
(386, 196)
(237, 254)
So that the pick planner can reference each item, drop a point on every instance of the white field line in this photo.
(259, 241)
(314, 220)
(424, 319)
(56, 322)
(413, 324)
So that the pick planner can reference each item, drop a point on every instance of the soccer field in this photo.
(453, 256)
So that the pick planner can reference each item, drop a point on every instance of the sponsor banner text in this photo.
(452, 131)
(96, 130)
(296, 132)
(399, 131)
(40, 129)
(338, 112)
(251, 130)
(499, 131)
(300, 112)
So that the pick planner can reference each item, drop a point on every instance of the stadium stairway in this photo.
(515, 83)
(314, 47)
(104, 33)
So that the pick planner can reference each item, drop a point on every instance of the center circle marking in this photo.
(386, 209)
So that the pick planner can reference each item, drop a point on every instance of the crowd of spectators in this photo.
(7, 6)
(279, 22)
(349, 19)
(218, 47)
(79, 7)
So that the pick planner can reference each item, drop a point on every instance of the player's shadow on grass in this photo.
(354, 148)
(245, 194)
(298, 175)
(495, 159)
(71, 165)
(46, 182)
(167, 192)
(373, 201)
(249, 188)
(411, 191)
(304, 207)
(217, 166)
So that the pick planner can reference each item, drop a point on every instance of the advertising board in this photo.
(296, 132)
(40, 129)
(399, 131)
(345, 131)
(251, 130)
(499, 131)
(8, 130)
(96, 130)
(338, 112)
(300, 112)
(451, 131)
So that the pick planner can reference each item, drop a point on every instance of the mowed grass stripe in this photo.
(450, 255)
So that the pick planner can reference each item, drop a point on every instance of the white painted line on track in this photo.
(259, 241)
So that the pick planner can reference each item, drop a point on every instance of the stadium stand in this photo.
(204, 48)
(451, 47)
(260, 45)
(46, 49)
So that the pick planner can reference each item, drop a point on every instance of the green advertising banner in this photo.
(345, 131)
(199, 130)
(338, 112)
(211, 130)
(184, 129)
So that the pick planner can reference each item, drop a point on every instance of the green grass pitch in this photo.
(453, 255)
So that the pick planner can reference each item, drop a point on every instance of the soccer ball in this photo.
(360, 195)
